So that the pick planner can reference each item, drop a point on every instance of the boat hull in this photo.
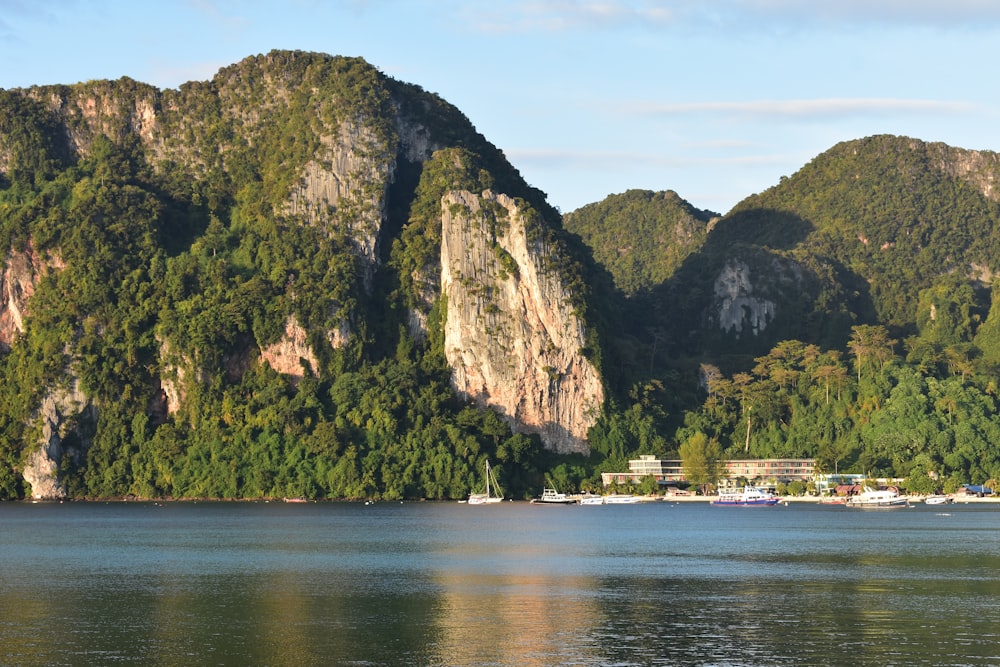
(871, 499)
(553, 497)
(748, 497)
(887, 505)
(620, 500)
(767, 502)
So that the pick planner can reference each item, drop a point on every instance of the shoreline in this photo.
(679, 498)
(957, 500)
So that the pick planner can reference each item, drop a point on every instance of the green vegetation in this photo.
(868, 412)
(641, 237)
(182, 270)
(881, 354)
(165, 257)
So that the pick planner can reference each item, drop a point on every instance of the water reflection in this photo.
(441, 585)
(528, 620)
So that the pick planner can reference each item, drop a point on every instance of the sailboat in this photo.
(491, 493)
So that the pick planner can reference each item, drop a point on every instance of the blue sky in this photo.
(715, 99)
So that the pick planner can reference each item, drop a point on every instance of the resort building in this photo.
(668, 472)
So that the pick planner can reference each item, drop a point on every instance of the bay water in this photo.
(428, 584)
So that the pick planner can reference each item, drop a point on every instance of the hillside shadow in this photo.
(765, 227)
(817, 298)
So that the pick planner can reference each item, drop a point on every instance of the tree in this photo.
(870, 343)
(701, 460)
(829, 373)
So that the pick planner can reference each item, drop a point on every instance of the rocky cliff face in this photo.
(738, 309)
(22, 269)
(63, 411)
(346, 189)
(513, 339)
(511, 335)
(292, 355)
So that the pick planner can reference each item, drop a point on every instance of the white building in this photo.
(756, 471)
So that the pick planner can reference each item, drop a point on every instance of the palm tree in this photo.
(870, 342)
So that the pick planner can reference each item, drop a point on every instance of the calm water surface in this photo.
(428, 584)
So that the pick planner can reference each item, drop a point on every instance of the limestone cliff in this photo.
(20, 274)
(63, 411)
(511, 335)
(292, 355)
(738, 309)
(305, 141)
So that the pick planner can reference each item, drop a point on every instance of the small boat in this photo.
(937, 500)
(749, 496)
(491, 492)
(591, 500)
(620, 499)
(871, 498)
(553, 497)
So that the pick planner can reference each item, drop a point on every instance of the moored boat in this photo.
(871, 498)
(553, 497)
(620, 499)
(937, 500)
(591, 499)
(749, 496)
(491, 493)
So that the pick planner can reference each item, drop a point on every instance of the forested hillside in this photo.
(641, 237)
(846, 313)
(234, 290)
(305, 279)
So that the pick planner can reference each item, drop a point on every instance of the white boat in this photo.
(491, 491)
(937, 500)
(877, 499)
(553, 497)
(749, 496)
(620, 499)
(591, 500)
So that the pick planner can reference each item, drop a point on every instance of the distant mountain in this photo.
(640, 236)
(896, 214)
(856, 236)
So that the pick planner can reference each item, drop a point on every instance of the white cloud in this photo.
(566, 15)
(620, 159)
(736, 15)
(807, 108)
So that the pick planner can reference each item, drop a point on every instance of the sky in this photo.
(714, 99)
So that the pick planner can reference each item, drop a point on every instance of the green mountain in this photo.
(301, 278)
(856, 236)
(641, 237)
(848, 314)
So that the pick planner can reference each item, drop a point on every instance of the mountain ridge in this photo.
(303, 278)
(270, 202)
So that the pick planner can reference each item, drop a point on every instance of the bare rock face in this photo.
(978, 168)
(21, 272)
(288, 355)
(347, 190)
(60, 413)
(511, 335)
(739, 309)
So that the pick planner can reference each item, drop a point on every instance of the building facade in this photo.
(668, 472)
